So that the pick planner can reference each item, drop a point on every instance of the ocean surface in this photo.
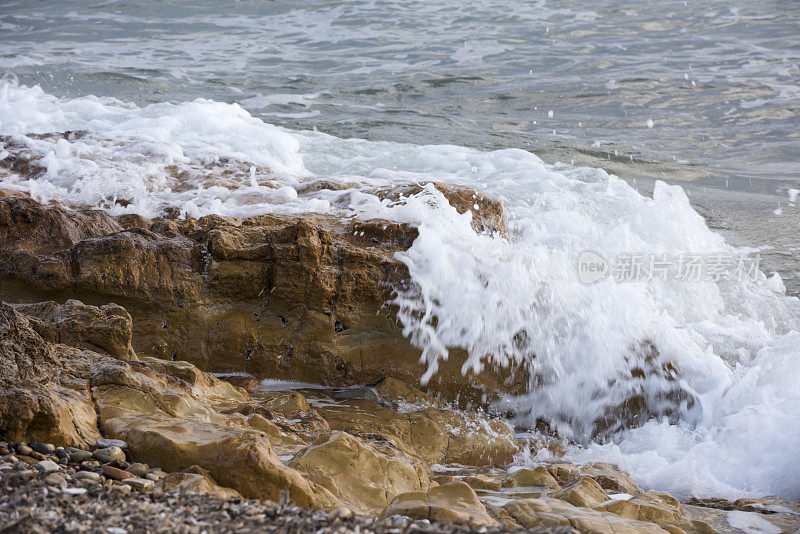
(621, 128)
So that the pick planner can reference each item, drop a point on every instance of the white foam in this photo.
(751, 523)
(731, 345)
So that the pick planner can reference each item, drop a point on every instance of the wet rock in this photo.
(658, 508)
(109, 454)
(610, 478)
(432, 434)
(246, 382)
(46, 466)
(455, 502)
(583, 492)
(285, 402)
(483, 482)
(539, 476)
(62, 453)
(363, 476)
(24, 450)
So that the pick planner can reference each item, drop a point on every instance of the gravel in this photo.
(28, 505)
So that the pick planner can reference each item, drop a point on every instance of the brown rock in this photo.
(583, 492)
(246, 382)
(454, 502)
(105, 329)
(41, 392)
(288, 296)
(531, 513)
(363, 476)
(483, 482)
(114, 473)
(431, 434)
(658, 508)
(174, 430)
(539, 476)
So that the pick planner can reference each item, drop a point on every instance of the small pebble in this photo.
(86, 475)
(54, 479)
(61, 452)
(109, 454)
(115, 474)
(24, 450)
(43, 448)
(46, 466)
(78, 456)
(138, 469)
(140, 484)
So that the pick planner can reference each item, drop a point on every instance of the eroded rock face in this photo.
(288, 297)
(43, 392)
(105, 329)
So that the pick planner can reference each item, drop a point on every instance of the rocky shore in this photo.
(143, 386)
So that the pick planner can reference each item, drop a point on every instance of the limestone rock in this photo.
(173, 430)
(432, 434)
(531, 513)
(361, 475)
(483, 482)
(539, 476)
(297, 297)
(105, 329)
(658, 508)
(610, 478)
(42, 394)
(583, 492)
(454, 502)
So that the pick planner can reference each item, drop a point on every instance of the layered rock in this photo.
(172, 416)
(291, 297)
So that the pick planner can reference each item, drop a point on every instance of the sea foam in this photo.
(713, 366)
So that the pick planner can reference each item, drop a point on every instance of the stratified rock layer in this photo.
(299, 297)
